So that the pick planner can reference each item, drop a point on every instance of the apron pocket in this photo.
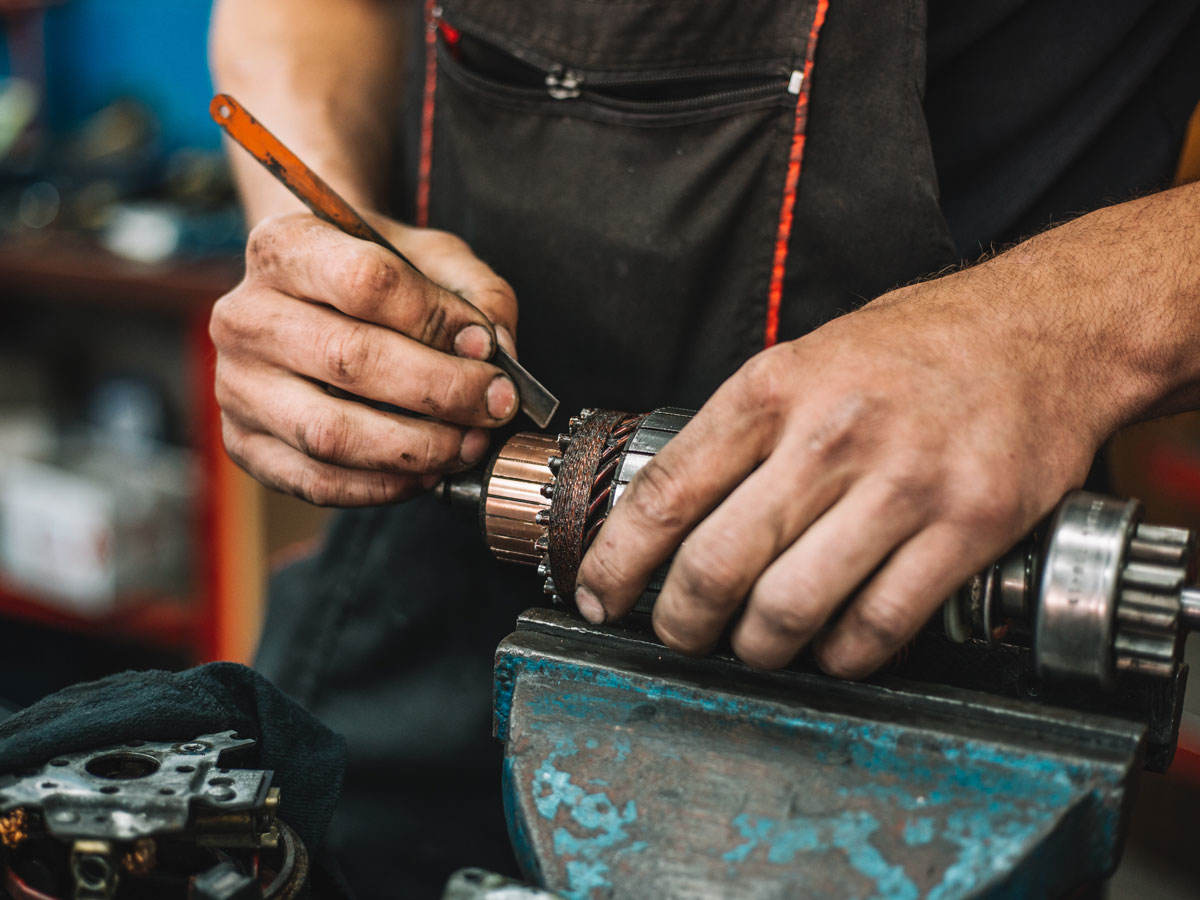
(634, 211)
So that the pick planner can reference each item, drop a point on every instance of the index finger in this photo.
(304, 257)
(683, 483)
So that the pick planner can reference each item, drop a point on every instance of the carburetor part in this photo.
(148, 819)
(1095, 592)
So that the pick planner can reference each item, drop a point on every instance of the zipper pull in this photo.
(563, 84)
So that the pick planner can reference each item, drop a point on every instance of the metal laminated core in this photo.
(516, 498)
(652, 434)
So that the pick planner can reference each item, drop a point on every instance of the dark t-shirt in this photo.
(1040, 110)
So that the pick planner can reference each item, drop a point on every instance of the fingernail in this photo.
(474, 446)
(501, 397)
(505, 339)
(473, 342)
(589, 606)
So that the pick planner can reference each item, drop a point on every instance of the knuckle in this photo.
(325, 437)
(223, 391)
(234, 440)
(263, 243)
(498, 298)
(369, 277)
(763, 381)
(234, 324)
(435, 326)
(383, 488)
(992, 510)
(887, 621)
(838, 430)
(601, 569)
(909, 487)
(838, 665)
(709, 578)
(788, 616)
(452, 392)
(425, 453)
(656, 496)
(347, 353)
(680, 634)
(218, 323)
(225, 325)
(445, 242)
(315, 487)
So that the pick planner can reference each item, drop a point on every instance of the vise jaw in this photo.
(633, 771)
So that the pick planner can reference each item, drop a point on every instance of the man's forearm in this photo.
(1115, 297)
(322, 74)
(1139, 283)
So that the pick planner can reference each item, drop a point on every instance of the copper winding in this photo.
(606, 469)
(574, 494)
(14, 828)
(141, 858)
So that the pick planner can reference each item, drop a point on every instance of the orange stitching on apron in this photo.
(795, 161)
(428, 105)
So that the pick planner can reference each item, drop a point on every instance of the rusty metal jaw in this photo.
(631, 771)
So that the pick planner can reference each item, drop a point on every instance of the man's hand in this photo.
(318, 308)
(842, 485)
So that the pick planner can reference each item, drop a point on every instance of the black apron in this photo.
(670, 186)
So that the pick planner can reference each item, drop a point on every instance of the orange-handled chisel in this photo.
(326, 204)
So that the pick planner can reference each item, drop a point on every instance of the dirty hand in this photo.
(319, 308)
(880, 460)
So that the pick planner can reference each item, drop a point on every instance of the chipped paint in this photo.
(918, 831)
(909, 812)
(602, 822)
(848, 832)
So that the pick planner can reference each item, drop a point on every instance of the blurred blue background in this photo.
(154, 50)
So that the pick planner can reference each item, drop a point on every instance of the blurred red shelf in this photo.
(163, 622)
(66, 266)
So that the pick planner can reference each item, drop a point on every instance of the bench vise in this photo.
(994, 758)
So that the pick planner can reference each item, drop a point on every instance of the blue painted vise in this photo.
(632, 771)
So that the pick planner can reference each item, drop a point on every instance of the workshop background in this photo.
(127, 538)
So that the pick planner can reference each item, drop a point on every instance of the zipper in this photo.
(565, 84)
